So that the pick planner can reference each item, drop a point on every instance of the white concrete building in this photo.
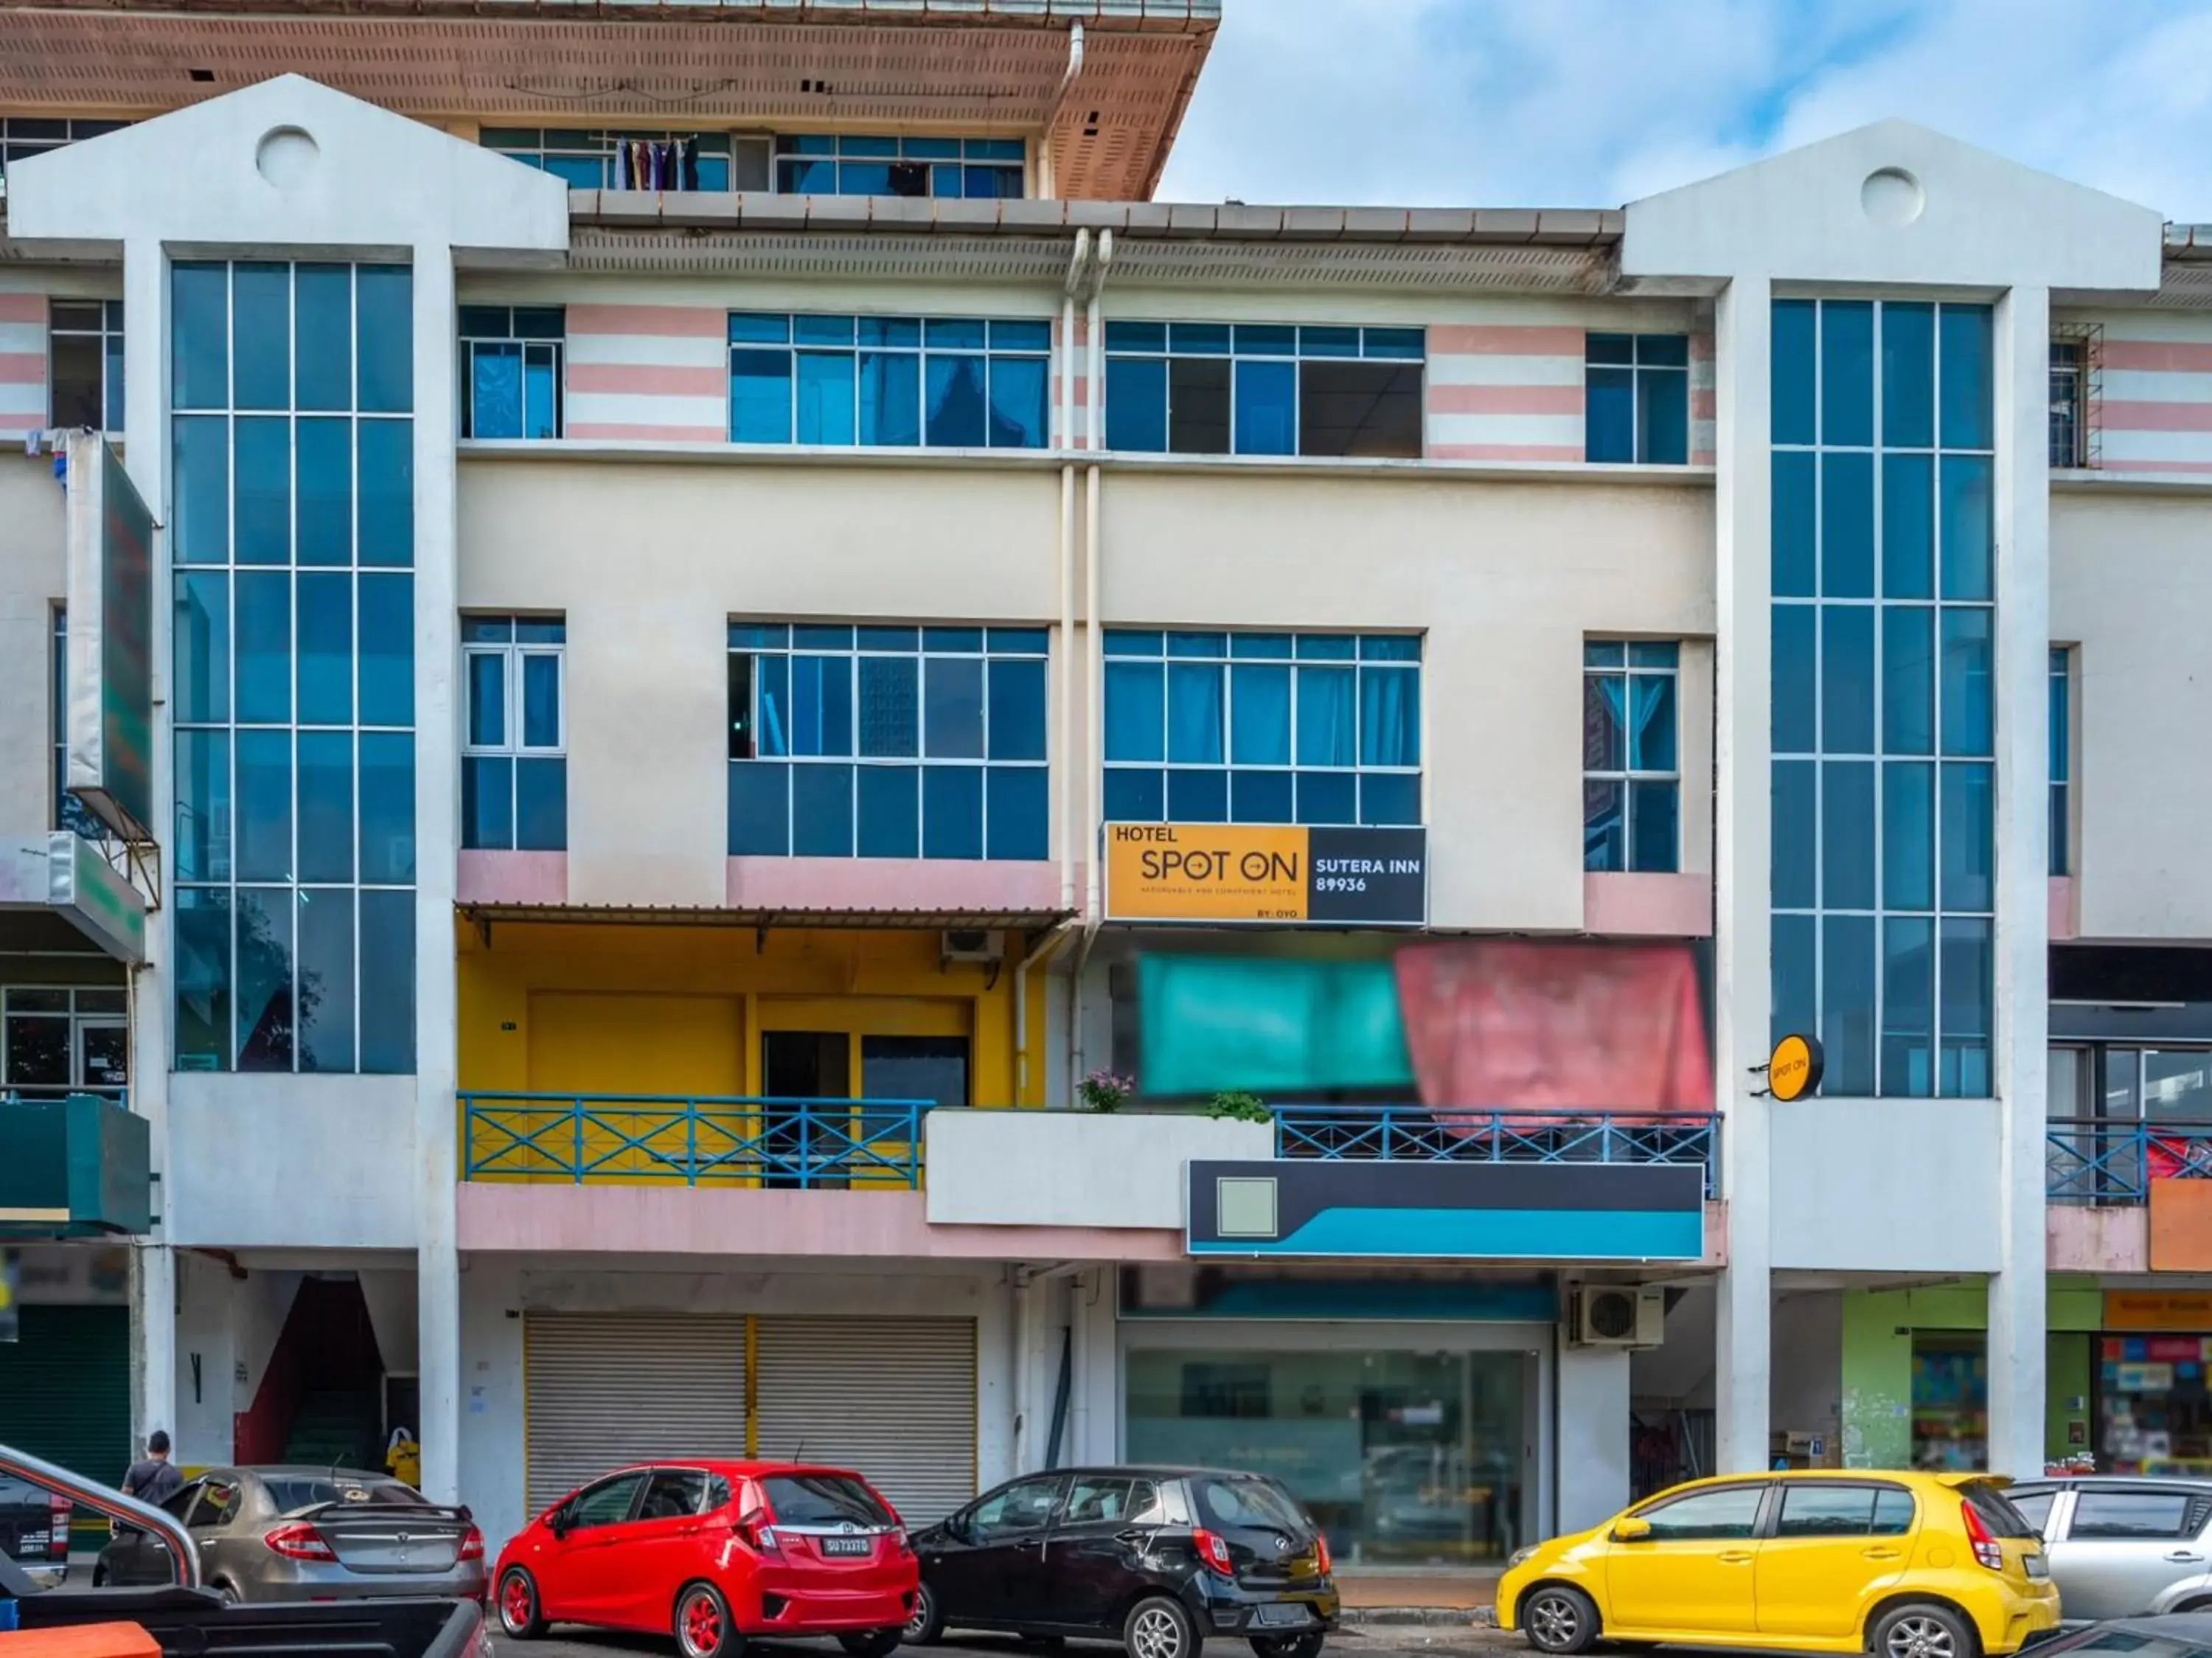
(713, 684)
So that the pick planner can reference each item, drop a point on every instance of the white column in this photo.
(2016, 1351)
(146, 458)
(1743, 689)
(1593, 1436)
(436, 814)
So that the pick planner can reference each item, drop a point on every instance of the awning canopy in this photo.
(76, 1168)
(64, 876)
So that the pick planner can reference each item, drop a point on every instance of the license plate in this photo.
(2038, 1566)
(849, 1547)
(1280, 1614)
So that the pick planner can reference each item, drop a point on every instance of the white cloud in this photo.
(1595, 103)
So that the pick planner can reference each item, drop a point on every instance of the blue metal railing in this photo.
(1451, 1134)
(2099, 1159)
(759, 1141)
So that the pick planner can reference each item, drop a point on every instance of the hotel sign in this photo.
(1267, 874)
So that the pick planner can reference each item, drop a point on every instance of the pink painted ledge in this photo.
(2083, 1238)
(676, 1220)
(2065, 908)
(908, 885)
(1647, 906)
(512, 878)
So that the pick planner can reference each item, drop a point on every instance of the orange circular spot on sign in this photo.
(1792, 1071)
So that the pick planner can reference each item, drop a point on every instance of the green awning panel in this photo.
(1209, 1024)
(76, 1168)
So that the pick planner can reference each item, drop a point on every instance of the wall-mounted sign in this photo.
(1794, 1068)
(111, 640)
(1267, 874)
(2158, 1309)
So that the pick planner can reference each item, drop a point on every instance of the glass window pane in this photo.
(1136, 794)
(1327, 722)
(487, 712)
(1389, 797)
(1908, 835)
(821, 705)
(540, 805)
(387, 650)
(1847, 679)
(889, 812)
(1018, 419)
(1795, 792)
(890, 711)
(74, 370)
(1847, 526)
(261, 336)
(953, 710)
(1609, 348)
(495, 389)
(204, 979)
(1908, 376)
(1327, 797)
(1390, 716)
(1136, 711)
(322, 331)
(957, 417)
(541, 700)
(1262, 797)
(1136, 403)
(1609, 415)
(1605, 825)
(1847, 835)
(264, 647)
(760, 397)
(200, 477)
(541, 391)
(1966, 690)
(264, 489)
(325, 465)
(325, 806)
(822, 811)
(1847, 1005)
(1967, 837)
(387, 982)
(384, 297)
(200, 647)
(487, 803)
(1795, 572)
(1792, 718)
(1965, 1011)
(1260, 709)
(386, 460)
(1792, 373)
(1968, 528)
(891, 398)
(265, 1013)
(326, 979)
(264, 804)
(760, 809)
(1136, 337)
(1793, 976)
(1908, 525)
(825, 397)
(1651, 722)
(326, 636)
(1266, 408)
(1655, 836)
(204, 814)
(1198, 796)
(952, 811)
(199, 324)
(1846, 373)
(772, 691)
(1195, 713)
(1019, 812)
(1662, 409)
(1908, 680)
(387, 807)
(1908, 1013)
(1966, 355)
(1016, 713)
(1198, 405)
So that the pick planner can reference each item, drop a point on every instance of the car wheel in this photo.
(518, 1606)
(1160, 1628)
(1557, 1619)
(704, 1629)
(1307, 1645)
(925, 1625)
(871, 1644)
(1922, 1629)
(230, 1597)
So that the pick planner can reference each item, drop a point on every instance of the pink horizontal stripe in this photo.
(23, 308)
(669, 321)
(2193, 466)
(1701, 348)
(1082, 390)
(2154, 416)
(1701, 457)
(648, 379)
(23, 368)
(21, 423)
(1704, 404)
(616, 428)
(2189, 357)
(1505, 452)
(1505, 399)
(1505, 340)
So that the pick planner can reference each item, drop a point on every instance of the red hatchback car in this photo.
(715, 1551)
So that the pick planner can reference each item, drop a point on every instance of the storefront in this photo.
(2153, 1407)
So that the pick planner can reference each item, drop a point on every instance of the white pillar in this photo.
(436, 815)
(2016, 1347)
(1593, 1436)
(1743, 527)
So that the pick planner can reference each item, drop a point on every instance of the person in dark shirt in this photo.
(156, 1479)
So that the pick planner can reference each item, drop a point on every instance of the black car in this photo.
(34, 1530)
(1156, 1557)
(2172, 1635)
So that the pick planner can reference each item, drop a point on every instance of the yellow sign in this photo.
(1794, 1068)
(2158, 1309)
(1205, 872)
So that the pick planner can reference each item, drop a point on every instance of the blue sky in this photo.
(1592, 103)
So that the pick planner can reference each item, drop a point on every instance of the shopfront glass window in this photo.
(2153, 1416)
(1950, 1402)
(1402, 1457)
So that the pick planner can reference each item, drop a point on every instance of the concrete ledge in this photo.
(999, 1169)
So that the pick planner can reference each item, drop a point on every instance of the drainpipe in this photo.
(1047, 947)
(1078, 268)
(1095, 670)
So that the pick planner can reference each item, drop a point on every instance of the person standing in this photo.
(155, 1479)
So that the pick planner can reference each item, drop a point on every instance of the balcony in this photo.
(766, 1143)
(2099, 1161)
(1418, 1134)
(2128, 1197)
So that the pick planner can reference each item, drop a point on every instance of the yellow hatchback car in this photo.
(1905, 1565)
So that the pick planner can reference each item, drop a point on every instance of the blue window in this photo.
(1631, 757)
(293, 667)
(853, 164)
(511, 370)
(515, 766)
(1636, 398)
(84, 363)
(1262, 727)
(1215, 388)
(940, 382)
(888, 741)
(1883, 708)
(2062, 760)
(662, 160)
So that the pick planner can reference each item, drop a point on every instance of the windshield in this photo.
(1998, 1513)
(1240, 1504)
(290, 1493)
(823, 1500)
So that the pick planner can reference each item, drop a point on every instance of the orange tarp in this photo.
(83, 1641)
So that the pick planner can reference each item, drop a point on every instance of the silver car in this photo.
(301, 1533)
(2123, 1545)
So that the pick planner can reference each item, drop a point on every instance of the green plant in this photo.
(1103, 1091)
(1240, 1107)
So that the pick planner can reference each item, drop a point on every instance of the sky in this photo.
(1593, 103)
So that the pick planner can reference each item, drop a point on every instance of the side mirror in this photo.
(557, 1522)
(1632, 1530)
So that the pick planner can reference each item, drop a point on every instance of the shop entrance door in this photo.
(870, 1051)
(796, 1066)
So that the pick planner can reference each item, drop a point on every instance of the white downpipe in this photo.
(1095, 705)
(1047, 947)
(1063, 663)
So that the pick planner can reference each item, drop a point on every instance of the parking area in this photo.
(1374, 1640)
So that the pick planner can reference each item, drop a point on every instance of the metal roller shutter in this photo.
(893, 1399)
(65, 1389)
(605, 1388)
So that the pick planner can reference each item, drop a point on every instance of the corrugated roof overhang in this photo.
(761, 920)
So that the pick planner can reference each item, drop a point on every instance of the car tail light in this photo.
(903, 1540)
(1986, 1547)
(1213, 1549)
(300, 1542)
(758, 1531)
(59, 1511)
(472, 1544)
(1322, 1562)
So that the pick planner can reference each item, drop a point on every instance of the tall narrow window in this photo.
(70, 812)
(84, 342)
(511, 370)
(1635, 390)
(2077, 352)
(515, 765)
(1631, 759)
(2062, 761)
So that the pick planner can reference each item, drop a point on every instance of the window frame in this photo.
(1637, 371)
(79, 1018)
(1763, 1489)
(601, 147)
(1875, 1489)
(514, 654)
(924, 351)
(1627, 775)
(2062, 760)
(2076, 428)
(995, 161)
(1372, 347)
(109, 333)
(533, 348)
(2195, 1504)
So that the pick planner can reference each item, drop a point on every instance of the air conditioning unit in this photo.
(1616, 1315)
(972, 944)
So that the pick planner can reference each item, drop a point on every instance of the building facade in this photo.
(718, 688)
